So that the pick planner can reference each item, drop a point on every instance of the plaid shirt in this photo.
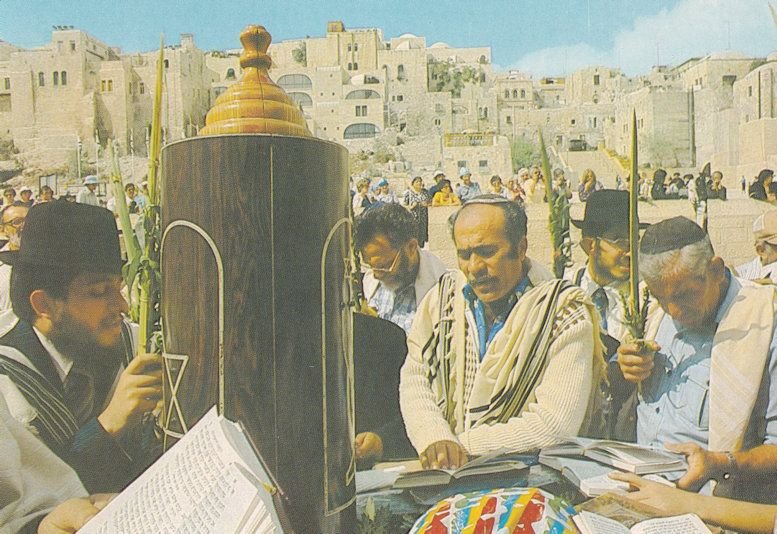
(396, 306)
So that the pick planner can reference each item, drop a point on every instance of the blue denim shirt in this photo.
(486, 332)
(674, 400)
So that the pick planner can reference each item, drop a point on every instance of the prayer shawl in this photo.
(36, 399)
(515, 361)
(740, 352)
(33, 478)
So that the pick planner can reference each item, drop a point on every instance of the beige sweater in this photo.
(559, 404)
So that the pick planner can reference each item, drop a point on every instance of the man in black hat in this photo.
(66, 352)
(605, 278)
(708, 366)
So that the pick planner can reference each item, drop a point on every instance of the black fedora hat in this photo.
(68, 235)
(606, 214)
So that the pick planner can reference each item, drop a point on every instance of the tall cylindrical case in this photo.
(255, 308)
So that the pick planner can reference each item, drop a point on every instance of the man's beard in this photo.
(404, 276)
(79, 344)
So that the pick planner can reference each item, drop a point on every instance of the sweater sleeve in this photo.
(561, 398)
(100, 461)
(424, 421)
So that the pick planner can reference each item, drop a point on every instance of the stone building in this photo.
(59, 99)
(363, 90)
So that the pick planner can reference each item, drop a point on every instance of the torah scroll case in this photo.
(256, 294)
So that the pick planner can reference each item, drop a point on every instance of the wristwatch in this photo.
(731, 469)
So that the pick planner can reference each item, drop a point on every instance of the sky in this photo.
(541, 37)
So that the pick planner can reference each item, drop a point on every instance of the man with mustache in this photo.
(400, 272)
(66, 353)
(500, 354)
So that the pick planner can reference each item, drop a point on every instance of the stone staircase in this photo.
(604, 167)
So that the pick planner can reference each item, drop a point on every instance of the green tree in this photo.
(300, 55)
(523, 152)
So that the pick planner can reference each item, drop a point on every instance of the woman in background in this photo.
(417, 200)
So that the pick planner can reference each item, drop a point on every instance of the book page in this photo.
(599, 485)
(590, 523)
(681, 524)
(191, 484)
(620, 508)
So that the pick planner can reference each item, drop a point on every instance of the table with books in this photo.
(398, 496)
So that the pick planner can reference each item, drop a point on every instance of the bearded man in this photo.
(66, 366)
(400, 272)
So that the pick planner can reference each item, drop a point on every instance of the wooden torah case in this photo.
(255, 311)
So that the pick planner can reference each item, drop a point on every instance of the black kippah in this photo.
(671, 234)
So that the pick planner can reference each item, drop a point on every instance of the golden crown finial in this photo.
(255, 104)
(256, 41)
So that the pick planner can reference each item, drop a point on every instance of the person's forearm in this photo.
(759, 462)
(735, 515)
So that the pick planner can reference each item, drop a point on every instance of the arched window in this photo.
(295, 82)
(400, 72)
(230, 74)
(56, 78)
(301, 99)
(507, 93)
(523, 93)
(361, 130)
(362, 94)
(515, 93)
(350, 66)
(63, 77)
(41, 79)
(167, 63)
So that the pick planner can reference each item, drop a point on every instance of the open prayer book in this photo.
(592, 478)
(211, 481)
(496, 463)
(625, 456)
(591, 523)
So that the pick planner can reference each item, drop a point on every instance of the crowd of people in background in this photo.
(136, 199)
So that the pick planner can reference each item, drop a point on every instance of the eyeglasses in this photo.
(391, 267)
(622, 243)
(17, 223)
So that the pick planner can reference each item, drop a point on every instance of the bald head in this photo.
(12, 223)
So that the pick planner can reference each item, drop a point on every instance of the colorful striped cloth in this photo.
(507, 511)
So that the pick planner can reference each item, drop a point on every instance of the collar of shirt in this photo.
(487, 332)
(589, 286)
(62, 363)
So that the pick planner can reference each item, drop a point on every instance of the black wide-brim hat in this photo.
(68, 235)
(606, 214)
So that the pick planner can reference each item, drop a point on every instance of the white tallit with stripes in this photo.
(515, 361)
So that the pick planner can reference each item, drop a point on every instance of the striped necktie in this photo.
(79, 393)
(602, 303)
